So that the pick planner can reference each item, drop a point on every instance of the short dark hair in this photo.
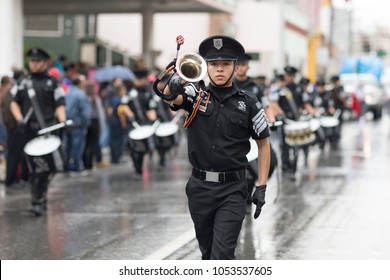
(5, 80)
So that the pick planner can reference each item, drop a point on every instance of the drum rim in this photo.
(307, 141)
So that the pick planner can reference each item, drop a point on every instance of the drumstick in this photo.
(176, 117)
(156, 124)
(135, 124)
(54, 127)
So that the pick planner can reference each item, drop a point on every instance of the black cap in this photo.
(279, 77)
(140, 73)
(244, 58)
(220, 47)
(304, 81)
(38, 53)
(334, 78)
(290, 70)
(320, 83)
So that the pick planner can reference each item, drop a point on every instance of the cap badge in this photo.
(218, 43)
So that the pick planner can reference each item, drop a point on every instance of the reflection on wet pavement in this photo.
(336, 208)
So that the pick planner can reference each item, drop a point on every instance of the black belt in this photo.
(220, 177)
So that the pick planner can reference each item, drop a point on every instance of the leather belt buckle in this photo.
(212, 176)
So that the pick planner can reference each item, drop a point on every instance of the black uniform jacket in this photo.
(49, 95)
(218, 137)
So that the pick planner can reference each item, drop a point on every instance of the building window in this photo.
(44, 25)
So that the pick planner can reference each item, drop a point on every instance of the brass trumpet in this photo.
(190, 67)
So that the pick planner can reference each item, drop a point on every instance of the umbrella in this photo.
(109, 73)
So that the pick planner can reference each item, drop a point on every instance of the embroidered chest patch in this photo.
(241, 106)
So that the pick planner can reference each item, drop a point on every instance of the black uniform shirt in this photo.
(49, 95)
(338, 95)
(297, 93)
(141, 101)
(218, 136)
(286, 101)
(323, 100)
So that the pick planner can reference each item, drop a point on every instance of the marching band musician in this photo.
(144, 106)
(49, 96)
(283, 103)
(339, 98)
(165, 114)
(118, 112)
(221, 120)
(307, 96)
(323, 101)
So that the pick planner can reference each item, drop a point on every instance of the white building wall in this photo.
(261, 28)
(258, 29)
(258, 25)
(125, 32)
(11, 35)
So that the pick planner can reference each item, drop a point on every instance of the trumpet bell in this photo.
(191, 67)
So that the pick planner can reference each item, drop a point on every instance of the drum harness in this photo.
(41, 121)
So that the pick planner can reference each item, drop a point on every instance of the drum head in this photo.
(315, 124)
(297, 126)
(167, 129)
(142, 132)
(253, 152)
(42, 145)
(329, 122)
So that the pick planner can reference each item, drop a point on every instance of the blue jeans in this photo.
(74, 145)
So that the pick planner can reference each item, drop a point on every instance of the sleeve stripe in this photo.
(58, 93)
(259, 122)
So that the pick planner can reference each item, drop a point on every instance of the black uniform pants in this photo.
(217, 210)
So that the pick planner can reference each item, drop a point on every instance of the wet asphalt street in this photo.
(337, 208)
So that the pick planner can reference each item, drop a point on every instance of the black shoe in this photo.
(35, 210)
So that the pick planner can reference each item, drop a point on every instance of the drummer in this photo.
(50, 100)
(322, 99)
(164, 114)
(283, 103)
(323, 102)
(144, 106)
(307, 96)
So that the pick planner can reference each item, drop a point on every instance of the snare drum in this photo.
(299, 134)
(141, 138)
(167, 135)
(42, 154)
